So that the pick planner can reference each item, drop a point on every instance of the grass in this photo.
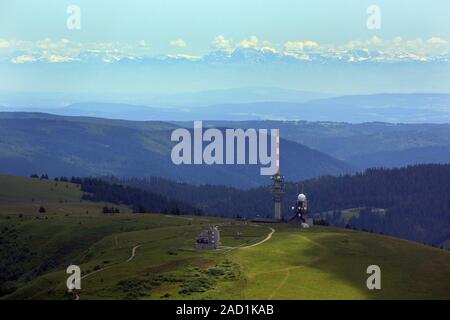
(22, 195)
(319, 263)
(329, 263)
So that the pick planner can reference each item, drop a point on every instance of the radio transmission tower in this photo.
(278, 181)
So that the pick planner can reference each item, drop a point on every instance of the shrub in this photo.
(216, 272)
(172, 252)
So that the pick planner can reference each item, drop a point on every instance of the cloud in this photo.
(221, 42)
(184, 56)
(178, 43)
(54, 58)
(397, 40)
(109, 58)
(251, 42)
(23, 59)
(46, 43)
(4, 43)
(300, 45)
(375, 40)
(365, 50)
(268, 49)
(436, 40)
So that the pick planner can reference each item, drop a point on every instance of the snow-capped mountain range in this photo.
(248, 51)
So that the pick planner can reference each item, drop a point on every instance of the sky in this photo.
(198, 22)
(34, 37)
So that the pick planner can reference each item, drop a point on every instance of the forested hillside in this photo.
(139, 200)
(416, 199)
(364, 145)
(79, 146)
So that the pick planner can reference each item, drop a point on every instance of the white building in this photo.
(208, 239)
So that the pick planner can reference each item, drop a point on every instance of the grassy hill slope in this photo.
(330, 263)
(33, 243)
(323, 263)
(136, 256)
(22, 195)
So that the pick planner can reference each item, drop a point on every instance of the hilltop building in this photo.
(301, 212)
(208, 239)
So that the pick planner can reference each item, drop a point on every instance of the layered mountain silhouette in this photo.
(57, 145)
(259, 104)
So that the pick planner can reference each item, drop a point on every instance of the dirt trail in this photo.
(289, 269)
(134, 249)
(133, 255)
(269, 236)
(280, 285)
(272, 231)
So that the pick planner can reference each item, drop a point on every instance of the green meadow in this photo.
(152, 256)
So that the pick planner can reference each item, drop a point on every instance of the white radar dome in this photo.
(301, 197)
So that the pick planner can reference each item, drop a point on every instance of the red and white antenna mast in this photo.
(278, 180)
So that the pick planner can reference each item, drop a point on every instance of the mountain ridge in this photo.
(383, 107)
(84, 147)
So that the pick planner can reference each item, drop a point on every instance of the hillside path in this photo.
(269, 236)
(133, 253)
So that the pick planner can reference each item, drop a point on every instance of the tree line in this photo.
(416, 199)
(139, 200)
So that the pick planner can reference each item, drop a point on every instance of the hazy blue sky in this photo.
(200, 21)
(191, 45)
